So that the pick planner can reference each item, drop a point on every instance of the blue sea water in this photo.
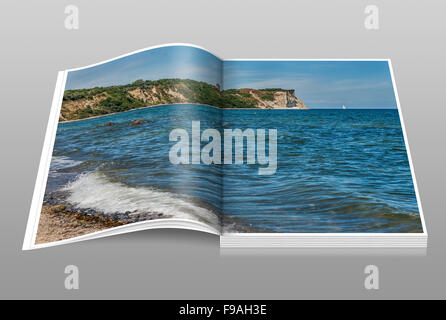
(337, 170)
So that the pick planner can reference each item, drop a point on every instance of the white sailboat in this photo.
(344, 107)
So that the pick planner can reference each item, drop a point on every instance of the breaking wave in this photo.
(93, 190)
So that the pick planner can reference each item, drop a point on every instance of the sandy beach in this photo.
(56, 224)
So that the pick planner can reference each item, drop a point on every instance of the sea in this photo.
(338, 171)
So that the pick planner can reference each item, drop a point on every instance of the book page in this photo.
(125, 149)
(323, 150)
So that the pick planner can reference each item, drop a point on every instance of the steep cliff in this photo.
(270, 98)
(85, 103)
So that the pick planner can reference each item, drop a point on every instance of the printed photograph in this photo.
(243, 146)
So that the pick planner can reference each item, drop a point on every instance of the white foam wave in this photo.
(93, 191)
(62, 162)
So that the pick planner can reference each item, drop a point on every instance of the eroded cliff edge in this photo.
(86, 103)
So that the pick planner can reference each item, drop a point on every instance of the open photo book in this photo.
(263, 153)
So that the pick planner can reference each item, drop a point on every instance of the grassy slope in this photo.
(105, 100)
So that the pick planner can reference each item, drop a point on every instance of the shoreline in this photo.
(59, 220)
(57, 224)
(171, 104)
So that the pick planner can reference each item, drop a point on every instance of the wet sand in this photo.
(56, 224)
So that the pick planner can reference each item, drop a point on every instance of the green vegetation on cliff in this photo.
(85, 103)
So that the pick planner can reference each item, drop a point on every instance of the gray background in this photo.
(182, 264)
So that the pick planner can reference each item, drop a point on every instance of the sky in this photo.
(320, 84)
(161, 63)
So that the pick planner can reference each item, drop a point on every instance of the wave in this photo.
(93, 190)
(62, 162)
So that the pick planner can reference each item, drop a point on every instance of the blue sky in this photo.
(160, 63)
(320, 84)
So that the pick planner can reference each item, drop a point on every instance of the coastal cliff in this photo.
(271, 98)
(86, 103)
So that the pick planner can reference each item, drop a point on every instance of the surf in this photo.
(93, 190)
(62, 162)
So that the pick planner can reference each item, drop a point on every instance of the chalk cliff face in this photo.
(274, 99)
(85, 103)
(155, 95)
